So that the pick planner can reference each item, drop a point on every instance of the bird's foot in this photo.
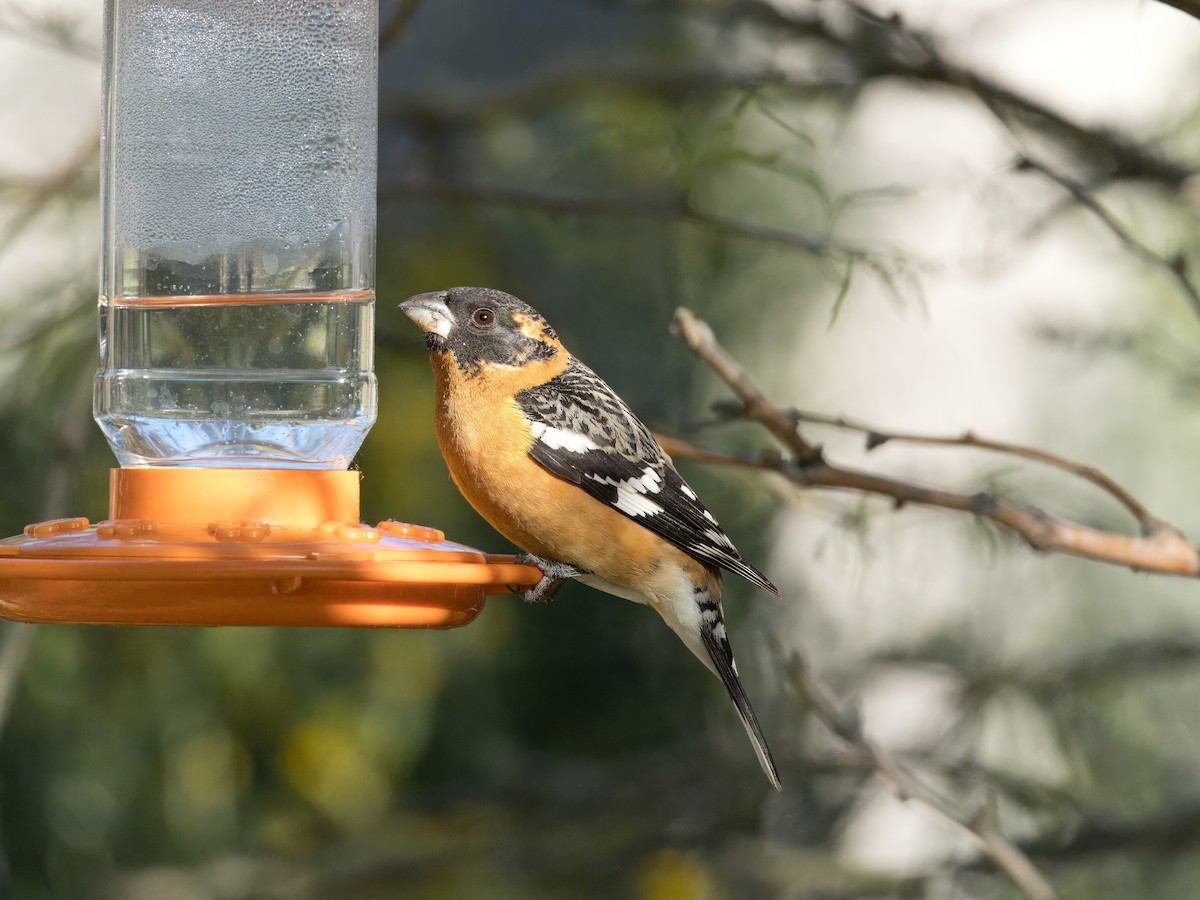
(554, 575)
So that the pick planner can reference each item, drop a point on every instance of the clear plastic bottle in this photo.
(238, 232)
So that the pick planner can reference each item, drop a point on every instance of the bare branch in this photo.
(1163, 549)
(877, 437)
(700, 338)
(1166, 552)
(906, 786)
(1176, 266)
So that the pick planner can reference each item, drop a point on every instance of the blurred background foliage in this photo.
(842, 194)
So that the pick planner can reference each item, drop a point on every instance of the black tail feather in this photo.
(712, 633)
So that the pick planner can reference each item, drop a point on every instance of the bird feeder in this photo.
(236, 310)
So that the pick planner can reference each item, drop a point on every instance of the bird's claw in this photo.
(542, 592)
(554, 575)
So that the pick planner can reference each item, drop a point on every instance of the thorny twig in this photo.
(877, 437)
(1162, 548)
(1009, 858)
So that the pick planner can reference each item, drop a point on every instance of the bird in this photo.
(555, 461)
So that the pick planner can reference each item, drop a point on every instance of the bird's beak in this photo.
(430, 312)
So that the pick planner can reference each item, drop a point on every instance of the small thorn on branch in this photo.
(983, 503)
(876, 437)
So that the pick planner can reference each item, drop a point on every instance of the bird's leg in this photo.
(554, 574)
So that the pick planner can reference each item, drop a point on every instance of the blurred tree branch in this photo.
(67, 444)
(1147, 658)
(809, 457)
(883, 46)
(678, 209)
(49, 28)
(77, 176)
(1160, 547)
(1099, 836)
(876, 48)
(906, 786)
(1175, 266)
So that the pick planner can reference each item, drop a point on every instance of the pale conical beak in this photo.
(430, 312)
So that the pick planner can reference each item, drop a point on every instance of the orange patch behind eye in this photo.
(531, 328)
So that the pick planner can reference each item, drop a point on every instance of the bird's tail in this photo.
(716, 641)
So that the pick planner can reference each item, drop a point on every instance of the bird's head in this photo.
(482, 326)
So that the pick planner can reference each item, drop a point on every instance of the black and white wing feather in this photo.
(584, 433)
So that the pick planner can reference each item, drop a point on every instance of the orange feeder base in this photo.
(244, 547)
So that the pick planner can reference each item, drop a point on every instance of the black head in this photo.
(482, 325)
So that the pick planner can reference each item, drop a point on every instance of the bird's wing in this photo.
(584, 433)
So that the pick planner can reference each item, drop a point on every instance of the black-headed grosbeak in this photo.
(558, 464)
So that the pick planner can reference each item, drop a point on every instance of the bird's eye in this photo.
(484, 317)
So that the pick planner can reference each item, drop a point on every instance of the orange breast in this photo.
(485, 440)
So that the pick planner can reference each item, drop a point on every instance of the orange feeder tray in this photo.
(245, 547)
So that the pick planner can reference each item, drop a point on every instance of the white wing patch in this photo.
(634, 504)
(583, 433)
(632, 493)
(562, 439)
(718, 538)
